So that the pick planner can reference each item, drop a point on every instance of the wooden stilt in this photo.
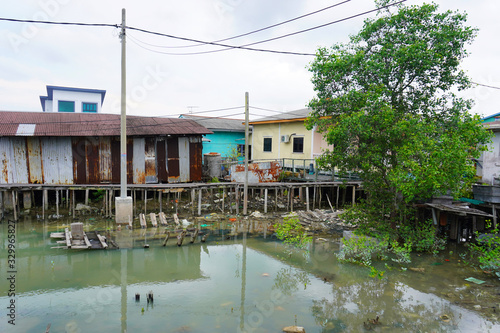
(199, 201)
(320, 197)
(73, 202)
(353, 195)
(86, 197)
(160, 195)
(314, 197)
(307, 198)
(223, 197)
(14, 205)
(145, 196)
(494, 213)
(291, 198)
(337, 198)
(2, 205)
(67, 198)
(105, 203)
(193, 194)
(57, 203)
(237, 198)
(275, 199)
(46, 197)
(111, 200)
(43, 206)
(265, 200)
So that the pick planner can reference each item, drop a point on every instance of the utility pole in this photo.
(123, 204)
(245, 186)
(123, 122)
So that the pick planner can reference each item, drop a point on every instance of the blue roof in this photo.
(490, 117)
(50, 93)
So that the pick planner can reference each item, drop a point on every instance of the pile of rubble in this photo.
(323, 219)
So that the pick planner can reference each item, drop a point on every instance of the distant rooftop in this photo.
(297, 115)
(218, 124)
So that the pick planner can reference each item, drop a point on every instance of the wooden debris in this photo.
(176, 219)
(163, 218)
(142, 220)
(180, 238)
(153, 219)
(417, 269)
(166, 238)
(194, 235)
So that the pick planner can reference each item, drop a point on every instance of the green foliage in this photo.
(97, 195)
(290, 231)
(422, 237)
(385, 103)
(360, 249)
(486, 252)
(214, 180)
(375, 273)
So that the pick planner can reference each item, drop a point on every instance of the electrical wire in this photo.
(62, 23)
(255, 31)
(226, 47)
(246, 46)
(485, 85)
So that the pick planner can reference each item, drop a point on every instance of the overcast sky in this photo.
(158, 84)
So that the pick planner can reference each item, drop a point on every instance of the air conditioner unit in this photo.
(285, 138)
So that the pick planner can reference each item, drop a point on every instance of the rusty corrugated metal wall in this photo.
(95, 160)
(184, 167)
(34, 160)
(195, 152)
(57, 160)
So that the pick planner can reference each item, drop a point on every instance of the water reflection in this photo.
(236, 282)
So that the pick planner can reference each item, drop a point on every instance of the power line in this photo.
(61, 23)
(246, 46)
(226, 46)
(255, 31)
(485, 85)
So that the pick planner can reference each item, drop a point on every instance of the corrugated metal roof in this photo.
(285, 116)
(95, 124)
(218, 124)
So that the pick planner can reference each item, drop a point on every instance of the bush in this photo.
(290, 231)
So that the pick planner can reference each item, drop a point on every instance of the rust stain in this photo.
(267, 175)
(141, 176)
(5, 169)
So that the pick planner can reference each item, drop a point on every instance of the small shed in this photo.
(84, 148)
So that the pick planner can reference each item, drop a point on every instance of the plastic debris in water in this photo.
(476, 281)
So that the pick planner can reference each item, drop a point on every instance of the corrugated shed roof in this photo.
(95, 124)
(284, 117)
(218, 124)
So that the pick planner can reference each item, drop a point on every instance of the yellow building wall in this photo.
(280, 149)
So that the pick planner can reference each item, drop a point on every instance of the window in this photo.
(268, 144)
(298, 144)
(89, 107)
(66, 106)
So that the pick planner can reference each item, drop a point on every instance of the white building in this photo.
(66, 99)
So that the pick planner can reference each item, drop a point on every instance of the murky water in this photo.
(235, 282)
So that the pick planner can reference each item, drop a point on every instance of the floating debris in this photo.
(474, 280)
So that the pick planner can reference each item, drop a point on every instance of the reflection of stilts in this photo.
(243, 280)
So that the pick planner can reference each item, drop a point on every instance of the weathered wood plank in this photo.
(153, 219)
